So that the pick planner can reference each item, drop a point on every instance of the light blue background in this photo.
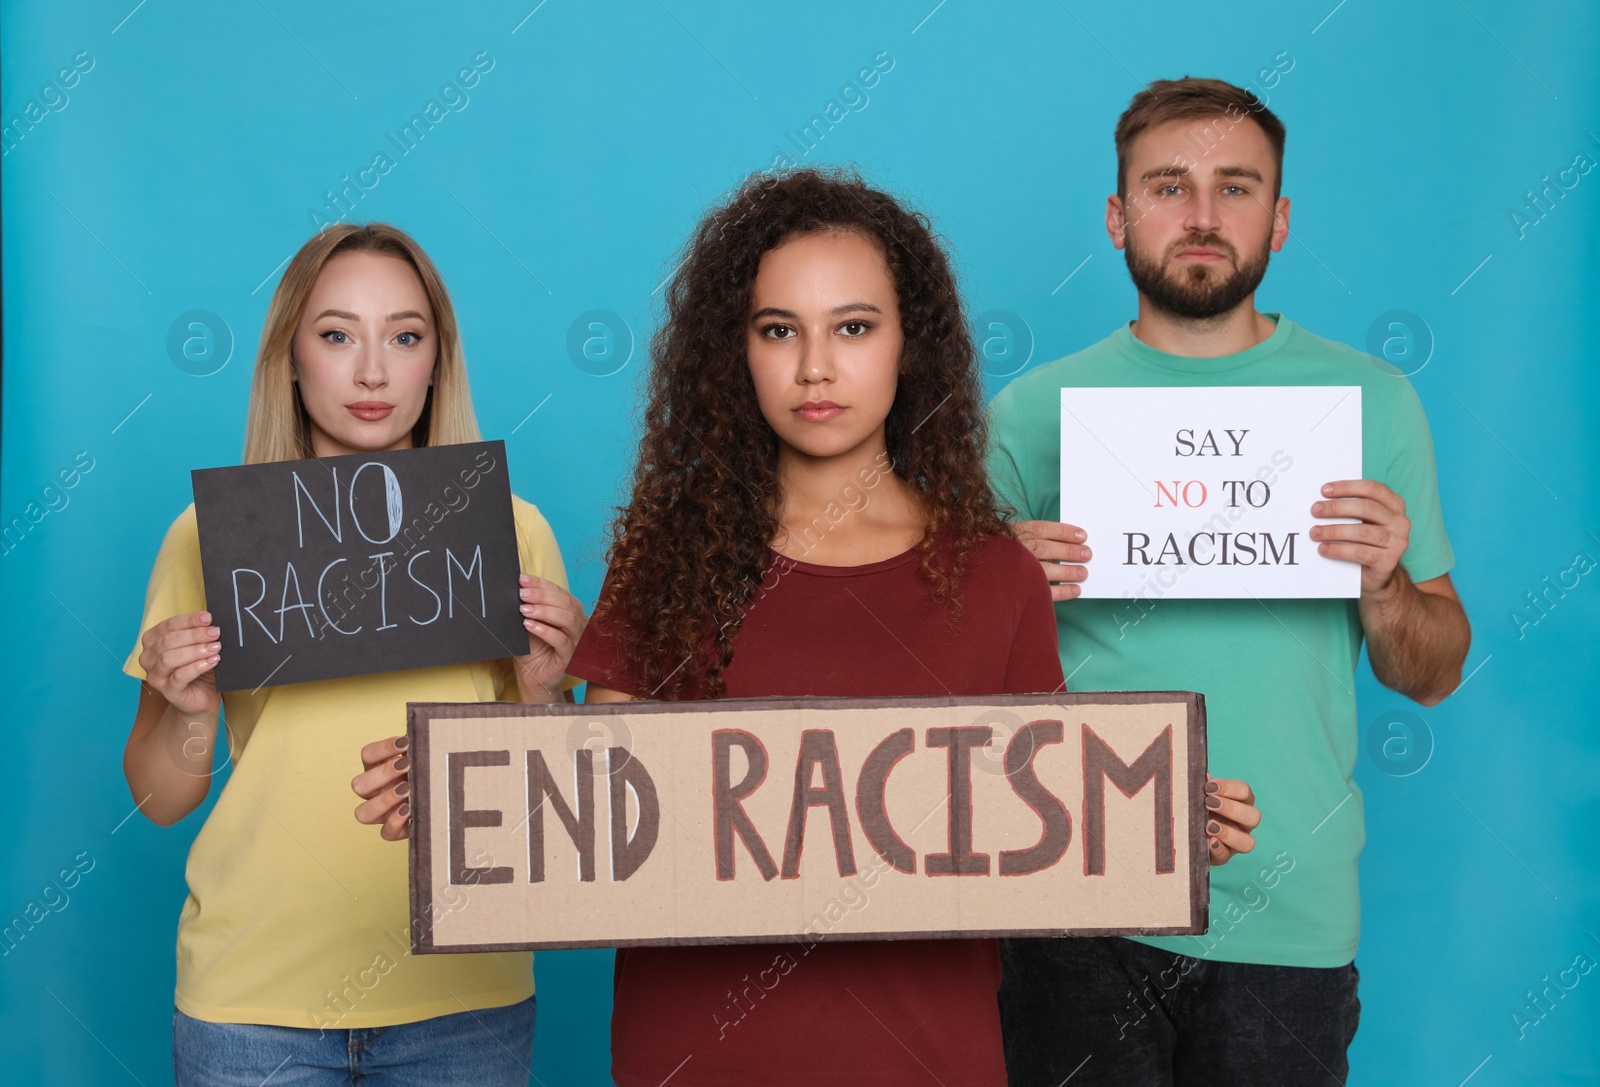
(183, 171)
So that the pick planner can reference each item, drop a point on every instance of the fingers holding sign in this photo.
(385, 785)
(1231, 816)
(1376, 539)
(554, 620)
(179, 658)
(1060, 549)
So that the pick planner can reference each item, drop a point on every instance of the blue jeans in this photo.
(492, 1047)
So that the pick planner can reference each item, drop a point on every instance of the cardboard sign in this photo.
(757, 820)
(1188, 492)
(341, 566)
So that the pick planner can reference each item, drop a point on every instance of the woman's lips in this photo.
(818, 411)
(370, 410)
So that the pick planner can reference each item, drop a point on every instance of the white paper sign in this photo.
(1207, 493)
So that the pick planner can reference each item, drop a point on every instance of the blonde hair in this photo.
(277, 428)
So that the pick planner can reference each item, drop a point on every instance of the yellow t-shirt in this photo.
(299, 916)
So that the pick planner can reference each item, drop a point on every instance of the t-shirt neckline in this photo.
(786, 564)
(1142, 352)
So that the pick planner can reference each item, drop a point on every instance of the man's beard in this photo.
(1198, 292)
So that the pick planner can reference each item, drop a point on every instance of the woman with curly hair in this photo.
(810, 516)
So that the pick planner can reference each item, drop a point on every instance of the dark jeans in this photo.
(1103, 1010)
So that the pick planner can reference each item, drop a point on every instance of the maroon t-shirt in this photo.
(804, 1012)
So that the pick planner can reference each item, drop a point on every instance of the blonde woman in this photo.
(293, 960)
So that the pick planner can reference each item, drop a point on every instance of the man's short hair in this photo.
(1187, 99)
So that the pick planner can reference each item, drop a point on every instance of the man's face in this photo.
(1199, 219)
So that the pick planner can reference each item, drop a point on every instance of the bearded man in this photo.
(1268, 994)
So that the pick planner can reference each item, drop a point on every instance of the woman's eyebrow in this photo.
(348, 316)
(848, 307)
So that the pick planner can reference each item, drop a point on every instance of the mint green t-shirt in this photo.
(1278, 675)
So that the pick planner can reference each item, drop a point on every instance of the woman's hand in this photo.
(1231, 816)
(385, 785)
(168, 759)
(179, 660)
(554, 620)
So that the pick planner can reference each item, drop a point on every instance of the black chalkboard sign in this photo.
(375, 562)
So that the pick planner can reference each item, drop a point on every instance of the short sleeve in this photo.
(599, 658)
(536, 543)
(1412, 474)
(1034, 666)
(1008, 455)
(177, 586)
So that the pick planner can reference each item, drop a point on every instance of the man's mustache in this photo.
(1205, 241)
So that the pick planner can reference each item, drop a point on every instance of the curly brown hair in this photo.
(692, 545)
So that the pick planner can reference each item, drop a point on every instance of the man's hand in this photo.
(1056, 545)
(1417, 633)
(1378, 537)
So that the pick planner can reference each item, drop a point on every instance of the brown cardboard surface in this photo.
(838, 869)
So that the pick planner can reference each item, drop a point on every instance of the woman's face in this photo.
(824, 343)
(364, 354)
